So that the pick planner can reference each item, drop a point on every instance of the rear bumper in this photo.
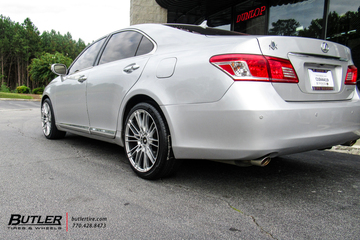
(252, 121)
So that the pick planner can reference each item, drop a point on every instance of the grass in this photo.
(14, 95)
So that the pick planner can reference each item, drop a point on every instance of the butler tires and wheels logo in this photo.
(35, 222)
(55, 222)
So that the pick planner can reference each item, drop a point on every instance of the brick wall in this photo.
(146, 11)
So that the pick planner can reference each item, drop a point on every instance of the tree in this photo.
(285, 27)
(32, 41)
(20, 43)
(53, 41)
(40, 68)
(6, 35)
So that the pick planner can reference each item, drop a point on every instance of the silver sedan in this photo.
(167, 92)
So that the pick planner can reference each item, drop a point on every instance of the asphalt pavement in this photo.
(79, 188)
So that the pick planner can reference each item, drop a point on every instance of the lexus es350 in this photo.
(167, 92)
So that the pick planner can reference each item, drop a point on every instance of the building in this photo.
(334, 20)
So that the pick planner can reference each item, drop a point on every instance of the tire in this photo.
(147, 143)
(48, 121)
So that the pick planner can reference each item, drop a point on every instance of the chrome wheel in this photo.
(46, 119)
(141, 140)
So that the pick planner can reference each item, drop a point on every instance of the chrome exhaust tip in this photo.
(261, 162)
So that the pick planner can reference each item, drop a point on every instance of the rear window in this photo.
(203, 30)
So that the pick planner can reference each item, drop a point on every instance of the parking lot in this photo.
(90, 187)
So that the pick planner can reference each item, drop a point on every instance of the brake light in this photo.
(282, 70)
(247, 67)
(351, 75)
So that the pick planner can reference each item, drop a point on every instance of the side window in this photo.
(145, 46)
(121, 45)
(87, 58)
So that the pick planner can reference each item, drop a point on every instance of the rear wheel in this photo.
(147, 143)
(48, 121)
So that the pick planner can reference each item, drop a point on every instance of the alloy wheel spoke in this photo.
(150, 155)
(138, 154)
(138, 119)
(153, 144)
(146, 123)
(145, 161)
(133, 128)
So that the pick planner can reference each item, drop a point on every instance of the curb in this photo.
(355, 149)
(18, 99)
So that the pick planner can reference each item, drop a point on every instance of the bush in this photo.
(40, 68)
(23, 89)
(38, 90)
(4, 88)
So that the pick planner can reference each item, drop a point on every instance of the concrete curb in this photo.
(18, 99)
(355, 150)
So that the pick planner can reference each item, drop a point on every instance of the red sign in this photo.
(250, 14)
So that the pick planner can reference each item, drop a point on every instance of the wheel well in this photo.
(145, 99)
(43, 98)
(139, 99)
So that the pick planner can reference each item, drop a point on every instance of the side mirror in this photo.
(59, 69)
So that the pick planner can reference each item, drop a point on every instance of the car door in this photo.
(120, 66)
(70, 97)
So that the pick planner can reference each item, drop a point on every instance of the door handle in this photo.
(82, 78)
(131, 68)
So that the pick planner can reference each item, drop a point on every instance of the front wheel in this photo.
(147, 143)
(48, 121)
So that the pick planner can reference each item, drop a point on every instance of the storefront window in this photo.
(250, 17)
(221, 20)
(299, 18)
(344, 25)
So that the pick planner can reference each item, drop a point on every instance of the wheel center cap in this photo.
(144, 140)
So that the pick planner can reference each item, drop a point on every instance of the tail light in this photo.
(351, 75)
(246, 67)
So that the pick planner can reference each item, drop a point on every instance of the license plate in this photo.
(321, 79)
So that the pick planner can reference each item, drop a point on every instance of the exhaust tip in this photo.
(261, 162)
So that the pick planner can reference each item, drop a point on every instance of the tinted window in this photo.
(145, 46)
(121, 45)
(299, 18)
(344, 26)
(87, 58)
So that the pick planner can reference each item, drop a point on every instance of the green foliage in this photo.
(40, 68)
(22, 42)
(38, 90)
(4, 88)
(23, 89)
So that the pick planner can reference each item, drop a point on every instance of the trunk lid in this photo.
(321, 67)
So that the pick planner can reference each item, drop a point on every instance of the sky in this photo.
(88, 20)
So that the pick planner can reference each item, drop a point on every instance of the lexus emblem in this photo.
(325, 47)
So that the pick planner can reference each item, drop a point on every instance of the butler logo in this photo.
(17, 219)
(51, 222)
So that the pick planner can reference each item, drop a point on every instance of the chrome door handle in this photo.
(82, 78)
(131, 68)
